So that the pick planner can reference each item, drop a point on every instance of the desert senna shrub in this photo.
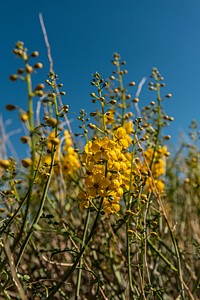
(98, 214)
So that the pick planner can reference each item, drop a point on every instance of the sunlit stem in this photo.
(81, 260)
(123, 97)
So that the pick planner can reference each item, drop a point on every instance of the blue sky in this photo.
(85, 34)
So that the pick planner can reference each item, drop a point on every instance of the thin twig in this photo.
(13, 271)
(51, 69)
(46, 42)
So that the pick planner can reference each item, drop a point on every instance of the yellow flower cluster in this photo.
(105, 162)
(111, 169)
(70, 160)
(65, 158)
(156, 161)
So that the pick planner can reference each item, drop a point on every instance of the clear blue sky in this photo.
(84, 35)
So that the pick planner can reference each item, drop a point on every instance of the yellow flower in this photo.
(98, 149)
(158, 165)
(110, 206)
(82, 196)
(70, 160)
(152, 184)
(122, 135)
(128, 126)
(96, 185)
(68, 140)
(109, 116)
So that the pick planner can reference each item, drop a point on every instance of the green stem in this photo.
(182, 292)
(131, 179)
(31, 116)
(71, 270)
(39, 211)
(102, 109)
(32, 170)
(162, 256)
(123, 98)
(81, 260)
(128, 252)
(22, 249)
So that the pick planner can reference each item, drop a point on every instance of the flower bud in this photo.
(35, 54)
(39, 93)
(13, 77)
(113, 101)
(24, 117)
(55, 141)
(167, 137)
(26, 162)
(38, 65)
(29, 69)
(40, 86)
(10, 107)
(51, 121)
(4, 163)
(168, 96)
(24, 139)
(20, 71)
(92, 126)
(171, 119)
(130, 232)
